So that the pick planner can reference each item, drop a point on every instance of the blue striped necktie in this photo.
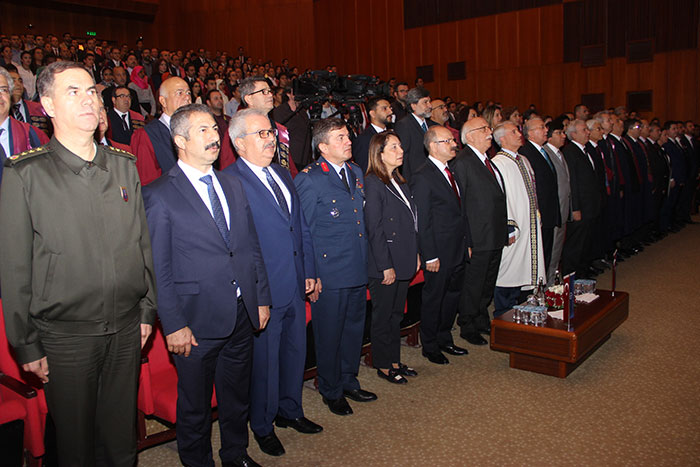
(219, 217)
(281, 200)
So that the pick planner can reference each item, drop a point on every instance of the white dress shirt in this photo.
(165, 119)
(258, 171)
(128, 120)
(194, 175)
(5, 136)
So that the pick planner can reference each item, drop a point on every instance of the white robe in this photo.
(522, 263)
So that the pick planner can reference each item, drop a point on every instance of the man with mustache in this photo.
(76, 272)
(484, 201)
(279, 352)
(213, 291)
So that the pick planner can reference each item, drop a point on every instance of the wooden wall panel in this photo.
(516, 58)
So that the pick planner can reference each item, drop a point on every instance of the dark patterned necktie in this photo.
(219, 217)
(281, 200)
(17, 112)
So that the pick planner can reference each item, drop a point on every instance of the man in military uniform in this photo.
(332, 197)
(77, 273)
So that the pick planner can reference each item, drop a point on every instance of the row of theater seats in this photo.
(22, 400)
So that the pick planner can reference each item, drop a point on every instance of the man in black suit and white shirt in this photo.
(380, 113)
(443, 244)
(585, 199)
(484, 202)
(412, 128)
(546, 186)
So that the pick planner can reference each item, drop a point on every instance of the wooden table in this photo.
(552, 349)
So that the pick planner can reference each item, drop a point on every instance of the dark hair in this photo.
(554, 126)
(207, 96)
(247, 87)
(376, 165)
(321, 131)
(121, 86)
(180, 120)
(374, 102)
(630, 122)
(46, 79)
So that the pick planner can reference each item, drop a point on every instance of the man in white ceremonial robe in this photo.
(522, 261)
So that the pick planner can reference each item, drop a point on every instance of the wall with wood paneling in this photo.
(516, 58)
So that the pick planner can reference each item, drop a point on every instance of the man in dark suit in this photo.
(120, 79)
(380, 114)
(399, 106)
(332, 197)
(122, 120)
(546, 186)
(213, 290)
(484, 202)
(152, 145)
(443, 243)
(585, 200)
(412, 128)
(279, 352)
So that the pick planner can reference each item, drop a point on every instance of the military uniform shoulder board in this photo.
(26, 155)
(120, 152)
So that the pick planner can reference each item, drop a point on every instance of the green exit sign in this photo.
(91, 33)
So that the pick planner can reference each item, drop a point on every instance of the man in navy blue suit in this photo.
(279, 352)
(213, 291)
(332, 197)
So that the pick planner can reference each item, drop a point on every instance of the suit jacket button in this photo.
(233, 282)
(355, 210)
(358, 222)
(230, 253)
(295, 253)
(391, 218)
(291, 229)
(325, 255)
(352, 198)
(360, 235)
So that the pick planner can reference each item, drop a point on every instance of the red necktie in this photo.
(454, 185)
(490, 167)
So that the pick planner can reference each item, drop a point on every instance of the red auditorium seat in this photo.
(33, 400)
(157, 395)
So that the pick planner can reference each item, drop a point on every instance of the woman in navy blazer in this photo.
(391, 222)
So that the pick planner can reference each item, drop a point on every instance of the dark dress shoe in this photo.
(393, 376)
(436, 357)
(485, 330)
(338, 406)
(474, 338)
(360, 395)
(453, 350)
(270, 444)
(406, 370)
(242, 461)
(301, 424)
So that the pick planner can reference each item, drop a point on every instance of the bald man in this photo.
(484, 200)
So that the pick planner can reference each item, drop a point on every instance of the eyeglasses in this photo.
(263, 134)
(264, 91)
(450, 140)
(481, 128)
(122, 95)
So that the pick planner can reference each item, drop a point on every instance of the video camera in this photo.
(313, 88)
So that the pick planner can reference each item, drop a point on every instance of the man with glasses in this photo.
(484, 202)
(213, 291)
(279, 352)
(257, 94)
(546, 176)
(153, 144)
(443, 244)
(122, 120)
(522, 261)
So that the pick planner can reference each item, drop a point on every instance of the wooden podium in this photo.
(552, 349)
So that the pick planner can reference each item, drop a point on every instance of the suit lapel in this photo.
(183, 185)
(440, 180)
(247, 173)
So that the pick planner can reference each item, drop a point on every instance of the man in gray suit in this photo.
(556, 137)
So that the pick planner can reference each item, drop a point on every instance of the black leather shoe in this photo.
(393, 376)
(301, 424)
(242, 461)
(270, 444)
(474, 338)
(406, 370)
(338, 406)
(360, 395)
(453, 350)
(436, 357)
(485, 330)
